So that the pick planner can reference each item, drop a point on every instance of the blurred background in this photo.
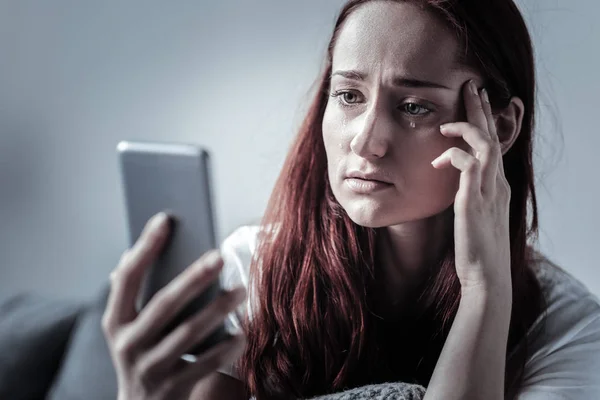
(76, 77)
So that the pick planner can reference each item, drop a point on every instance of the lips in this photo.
(366, 183)
(367, 176)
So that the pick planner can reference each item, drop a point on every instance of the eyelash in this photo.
(339, 93)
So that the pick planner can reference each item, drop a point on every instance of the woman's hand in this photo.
(472, 361)
(481, 207)
(149, 366)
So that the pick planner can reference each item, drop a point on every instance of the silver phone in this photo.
(174, 178)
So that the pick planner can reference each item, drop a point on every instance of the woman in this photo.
(397, 242)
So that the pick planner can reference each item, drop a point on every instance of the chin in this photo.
(376, 215)
(368, 215)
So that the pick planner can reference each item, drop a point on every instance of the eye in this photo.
(415, 109)
(346, 98)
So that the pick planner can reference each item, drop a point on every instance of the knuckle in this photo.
(201, 273)
(186, 332)
(146, 370)
(473, 165)
(165, 303)
(503, 185)
(122, 274)
(107, 325)
(115, 275)
(204, 272)
(453, 151)
(123, 278)
(507, 192)
(488, 144)
(125, 257)
(124, 347)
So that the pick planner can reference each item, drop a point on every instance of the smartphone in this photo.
(174, 178)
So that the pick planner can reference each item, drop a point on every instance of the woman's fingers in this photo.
(224, 353)
(126, 278)
(474, 137)
(489, 116)
(492, 129)
(168, 351)
(129, 333)
(168, 302)
(470, 167)
(479, 133)
(486, 151)
(474, 107)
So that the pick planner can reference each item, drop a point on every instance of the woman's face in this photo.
(395, 80)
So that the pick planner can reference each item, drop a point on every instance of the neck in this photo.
(409, 250)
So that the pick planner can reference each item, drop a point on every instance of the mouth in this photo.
(366, 186)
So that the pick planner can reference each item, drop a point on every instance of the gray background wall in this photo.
(78, 76)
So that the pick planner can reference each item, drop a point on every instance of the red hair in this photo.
(313, 328)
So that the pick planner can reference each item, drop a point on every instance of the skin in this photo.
(371, 124)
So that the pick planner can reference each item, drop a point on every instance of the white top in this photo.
(563, 361)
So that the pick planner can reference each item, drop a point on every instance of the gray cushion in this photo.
(87, 371)
(34, 332)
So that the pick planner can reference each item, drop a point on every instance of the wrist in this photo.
(496, 298)
(488, 288)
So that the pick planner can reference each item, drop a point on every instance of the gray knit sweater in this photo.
(382, 391)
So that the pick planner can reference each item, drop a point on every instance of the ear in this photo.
(508, 123)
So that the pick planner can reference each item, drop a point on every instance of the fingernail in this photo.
(159, 220)
(239, 293)
(484, 94)
(473, 87)
(212, 261)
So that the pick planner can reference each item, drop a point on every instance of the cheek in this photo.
(332, 142)
(333, 128)
(415, 157)
(423, 144)
(333, 124)
(329, 135)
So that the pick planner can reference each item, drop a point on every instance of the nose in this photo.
(371, 140)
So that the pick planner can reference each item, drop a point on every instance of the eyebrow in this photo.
(402, 81)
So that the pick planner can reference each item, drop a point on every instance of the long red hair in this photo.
(314, 327)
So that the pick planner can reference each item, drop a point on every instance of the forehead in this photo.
(397, 37)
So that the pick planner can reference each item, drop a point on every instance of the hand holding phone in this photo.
(148, 364)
